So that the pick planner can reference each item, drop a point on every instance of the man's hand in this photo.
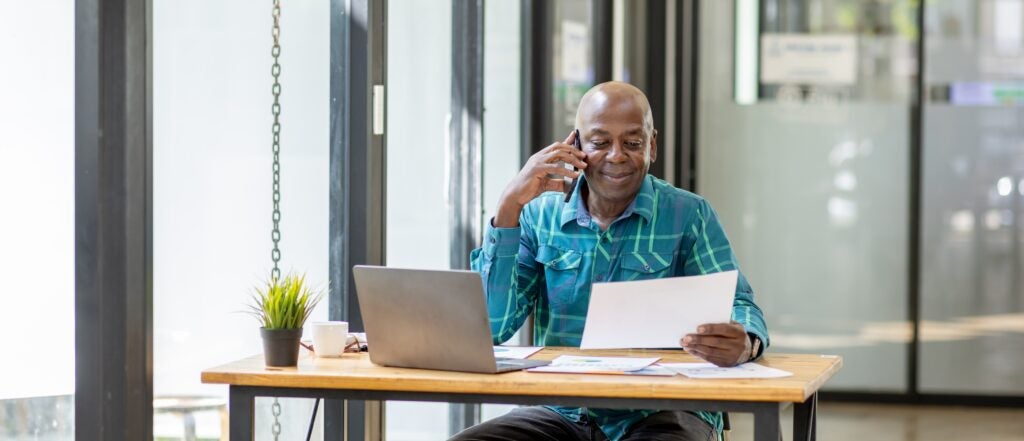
(724, 344)
(533, 179)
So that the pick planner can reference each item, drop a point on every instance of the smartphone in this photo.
(571, 183)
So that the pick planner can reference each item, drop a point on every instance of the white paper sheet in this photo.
(656, 313)
(654, 370)
(709, 370)
(516, 352)
(595, 365)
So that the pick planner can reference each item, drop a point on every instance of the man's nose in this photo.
(617, 153)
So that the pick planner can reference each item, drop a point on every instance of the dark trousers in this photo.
(541, 423)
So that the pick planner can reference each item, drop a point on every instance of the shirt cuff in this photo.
(500, 242)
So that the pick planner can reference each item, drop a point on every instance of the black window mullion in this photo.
(113, 221)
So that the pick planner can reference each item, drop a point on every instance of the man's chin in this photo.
(615, 192)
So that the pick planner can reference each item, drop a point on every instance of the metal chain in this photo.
(275, 71)
(276, 410)
(275, 128)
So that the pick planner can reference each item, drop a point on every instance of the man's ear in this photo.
(654, 146)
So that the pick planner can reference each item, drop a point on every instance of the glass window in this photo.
(419, 40)
(805, 158)
(419, 108)
(212, 188)
(38, 221)
(972, 304)
(502, 109)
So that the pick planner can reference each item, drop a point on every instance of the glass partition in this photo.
(419, 40)
(972, 302)
(803, 149)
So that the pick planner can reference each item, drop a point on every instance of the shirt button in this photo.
(647, 267)
(493, 240)
(600, 277)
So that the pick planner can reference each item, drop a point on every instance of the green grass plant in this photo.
(284, 303)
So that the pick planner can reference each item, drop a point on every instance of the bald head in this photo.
(615, 93)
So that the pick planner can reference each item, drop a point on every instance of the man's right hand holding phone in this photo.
(544, 171)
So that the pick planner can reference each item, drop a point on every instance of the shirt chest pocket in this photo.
(561, 270)
(641, 266)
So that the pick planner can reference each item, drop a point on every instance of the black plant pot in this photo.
(281, 346)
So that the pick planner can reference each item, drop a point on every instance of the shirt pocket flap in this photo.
(558, 259)
(647, 263)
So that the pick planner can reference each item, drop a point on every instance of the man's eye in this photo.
(599, 143)
(634, 144)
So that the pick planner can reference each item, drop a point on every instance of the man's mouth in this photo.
(617, 176)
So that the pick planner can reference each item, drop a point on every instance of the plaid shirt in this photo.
(548, 263)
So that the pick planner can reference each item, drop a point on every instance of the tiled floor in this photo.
(860, 422)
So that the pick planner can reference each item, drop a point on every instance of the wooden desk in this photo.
(353, 377)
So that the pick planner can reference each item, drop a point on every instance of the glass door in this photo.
(804, 124)
(972, 299)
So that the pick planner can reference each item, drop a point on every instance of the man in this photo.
(542, 254)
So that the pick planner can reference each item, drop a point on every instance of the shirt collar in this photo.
(642, 205)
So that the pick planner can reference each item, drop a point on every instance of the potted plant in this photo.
(282, 307)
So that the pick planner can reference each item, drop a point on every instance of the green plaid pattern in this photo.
(548, 263)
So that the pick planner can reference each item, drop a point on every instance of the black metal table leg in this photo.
(334, 420)
(766, 423)
(805, 419)
(241, 408)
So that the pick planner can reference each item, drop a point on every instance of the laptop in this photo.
(429, 320)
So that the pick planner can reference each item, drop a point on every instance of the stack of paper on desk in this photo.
(656, 313)
(572, 364)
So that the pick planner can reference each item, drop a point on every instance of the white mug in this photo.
(329, 338)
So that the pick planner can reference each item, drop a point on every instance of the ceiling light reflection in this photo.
(962, 221)
(845, 180)
(1004, 186)
(842, 211)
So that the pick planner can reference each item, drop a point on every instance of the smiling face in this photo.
(619, 147)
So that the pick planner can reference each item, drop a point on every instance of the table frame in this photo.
(766, 413)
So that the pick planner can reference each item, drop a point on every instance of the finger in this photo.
(557, 169)
(572, 137)
(567, 157)
(707, 350)
(723, 329)
(696, 351)
(720, 361)
(558, 146)
(714, 355)
(717, 342)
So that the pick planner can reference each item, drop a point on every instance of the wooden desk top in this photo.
(355, 372)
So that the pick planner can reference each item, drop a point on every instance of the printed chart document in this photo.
(574, 364)
(656, 313)
(709, 370)
(516, 352)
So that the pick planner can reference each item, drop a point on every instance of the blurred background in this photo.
(869, 171)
